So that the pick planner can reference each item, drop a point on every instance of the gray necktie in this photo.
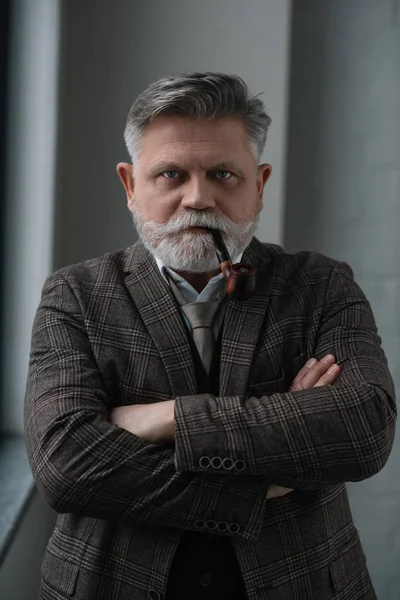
(200, 316)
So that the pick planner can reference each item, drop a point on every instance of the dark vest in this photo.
(205, 565)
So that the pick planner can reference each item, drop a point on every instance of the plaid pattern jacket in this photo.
(108, 333)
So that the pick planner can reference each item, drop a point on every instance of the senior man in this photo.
(205, 454)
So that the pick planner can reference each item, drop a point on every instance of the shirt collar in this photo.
(188, 291)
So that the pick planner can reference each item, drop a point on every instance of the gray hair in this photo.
(198, 96)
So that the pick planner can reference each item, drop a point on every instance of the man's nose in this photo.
(198, 194)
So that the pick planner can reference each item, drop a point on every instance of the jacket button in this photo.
(228, 463)
(200, 524)
(216, 462)
(205, 579)
(154, 595)
(204, 462)
(240, 465)
(234, 527)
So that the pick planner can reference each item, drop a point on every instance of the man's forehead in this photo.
(206, 143)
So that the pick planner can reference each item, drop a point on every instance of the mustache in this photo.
(198, 219)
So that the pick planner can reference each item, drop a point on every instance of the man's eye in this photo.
(224, 174)
(170, 174)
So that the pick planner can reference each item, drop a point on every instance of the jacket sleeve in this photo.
(84, 464)
(310, 438)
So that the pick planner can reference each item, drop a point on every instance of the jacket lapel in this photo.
(243, 323)
(161, 316)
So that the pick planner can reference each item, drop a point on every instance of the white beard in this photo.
(193, 252)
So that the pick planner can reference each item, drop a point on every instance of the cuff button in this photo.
(234, 527)
(240, 465)
(228, 464)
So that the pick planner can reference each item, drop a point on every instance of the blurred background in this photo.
(329, 74)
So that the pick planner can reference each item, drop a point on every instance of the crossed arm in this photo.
(154, 423)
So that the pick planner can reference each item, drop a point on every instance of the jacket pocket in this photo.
(266, 388)
(279, 383)
(348, 565)
(60, 573)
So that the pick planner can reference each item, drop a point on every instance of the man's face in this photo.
(192, 173)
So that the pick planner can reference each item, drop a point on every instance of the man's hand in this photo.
(153, 423)
(314, 374)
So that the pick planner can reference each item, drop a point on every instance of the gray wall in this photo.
(343, 198)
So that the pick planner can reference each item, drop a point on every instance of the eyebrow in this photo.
(221, 166)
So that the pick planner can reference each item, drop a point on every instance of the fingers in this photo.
(275, 491)
(320, 371)
(316, 373)
(329, 377)
(299, 377)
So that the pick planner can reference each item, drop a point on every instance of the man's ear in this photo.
(263, 173)
(125, 172)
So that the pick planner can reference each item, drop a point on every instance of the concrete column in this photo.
(30, 183)
(343, 198)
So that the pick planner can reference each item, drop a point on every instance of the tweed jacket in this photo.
(108, 332)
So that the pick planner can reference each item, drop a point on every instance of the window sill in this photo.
(16, 487)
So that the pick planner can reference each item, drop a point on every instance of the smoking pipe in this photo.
(240, 278)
